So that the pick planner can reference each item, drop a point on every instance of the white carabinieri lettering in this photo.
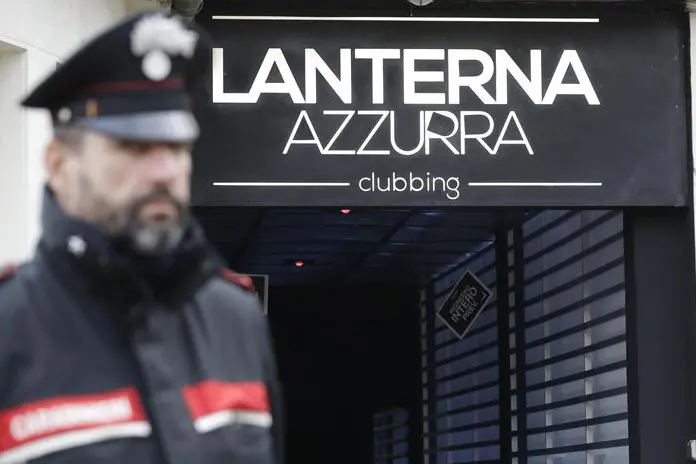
(47, 420)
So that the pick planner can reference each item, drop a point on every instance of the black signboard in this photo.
(464, 303)
(261, 285)
(415, 111)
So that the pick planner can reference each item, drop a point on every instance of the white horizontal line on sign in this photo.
(407, 19)
(281, 184)
(535, 184)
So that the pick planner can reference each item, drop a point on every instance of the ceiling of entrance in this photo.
(346, 248)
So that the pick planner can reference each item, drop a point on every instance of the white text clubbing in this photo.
(410, 183)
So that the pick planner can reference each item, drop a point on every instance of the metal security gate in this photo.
(391, 437)
(541, 376)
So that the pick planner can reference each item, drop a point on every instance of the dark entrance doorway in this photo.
(373, 376)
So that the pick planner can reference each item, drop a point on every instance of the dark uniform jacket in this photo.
(111, 359)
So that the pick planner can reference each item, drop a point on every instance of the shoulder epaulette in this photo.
(240, 280)
(7, 271)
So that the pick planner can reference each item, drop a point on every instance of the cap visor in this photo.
(161, 126)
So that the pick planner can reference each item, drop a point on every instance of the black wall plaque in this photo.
(460, 111)
(464, 304)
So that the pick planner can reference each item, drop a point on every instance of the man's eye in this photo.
(133, 147)
(181, 147)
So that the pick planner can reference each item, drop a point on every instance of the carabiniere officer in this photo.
(124, 340)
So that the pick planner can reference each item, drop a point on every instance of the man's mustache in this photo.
(157, 195)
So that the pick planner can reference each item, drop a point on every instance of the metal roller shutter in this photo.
(462, 378)
(569, 393)
(565, 372)
(391, 436)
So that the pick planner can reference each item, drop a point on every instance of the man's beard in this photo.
(143, 237)
(151, 237)
(127, 227)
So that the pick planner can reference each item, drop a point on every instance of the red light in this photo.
(299, 263)
(345, 211)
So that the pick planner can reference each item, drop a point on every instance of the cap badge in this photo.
(156, 38)
(64, 115)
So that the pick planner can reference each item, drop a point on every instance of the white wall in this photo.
(34, 36)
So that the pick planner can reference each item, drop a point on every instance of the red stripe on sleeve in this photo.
(213, 396)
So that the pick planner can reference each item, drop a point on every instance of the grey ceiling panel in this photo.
(365, 245)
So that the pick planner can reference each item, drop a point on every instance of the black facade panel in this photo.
(661, 335)
(305, 113)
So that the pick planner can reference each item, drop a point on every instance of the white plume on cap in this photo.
(161, 33)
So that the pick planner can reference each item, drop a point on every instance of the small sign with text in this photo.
(464, 304)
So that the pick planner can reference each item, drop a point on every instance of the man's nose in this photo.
(162, 164)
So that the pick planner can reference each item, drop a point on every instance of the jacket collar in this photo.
(111, 270)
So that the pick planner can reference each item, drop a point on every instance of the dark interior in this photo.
(346, 324)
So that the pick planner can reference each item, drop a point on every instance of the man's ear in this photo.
(55, 163)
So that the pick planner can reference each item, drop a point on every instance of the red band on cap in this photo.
(127, 86)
